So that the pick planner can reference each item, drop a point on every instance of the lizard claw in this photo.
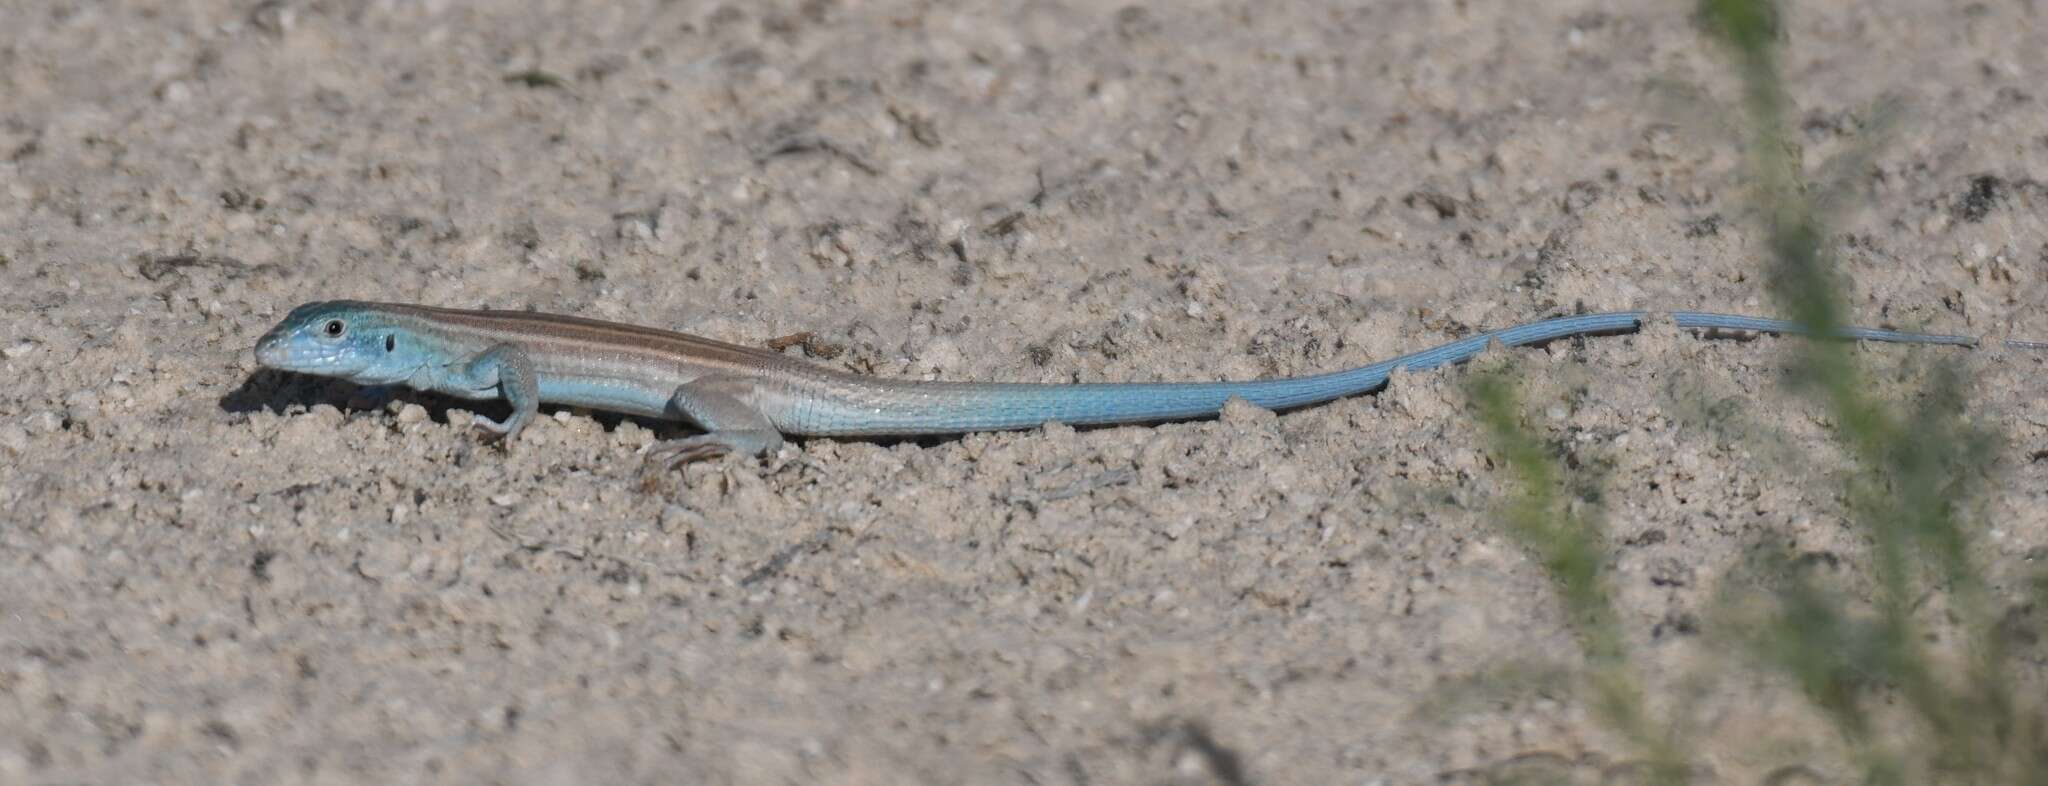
(493, 432)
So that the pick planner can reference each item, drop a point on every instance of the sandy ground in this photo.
(210, 574)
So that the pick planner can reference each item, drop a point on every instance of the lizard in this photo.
(745, 399)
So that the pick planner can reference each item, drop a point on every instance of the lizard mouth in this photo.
(284, 351)
(271, 353)
(274, 350)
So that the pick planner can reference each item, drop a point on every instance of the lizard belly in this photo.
(628, 396)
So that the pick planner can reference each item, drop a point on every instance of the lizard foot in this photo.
(674, 454)
(492, 432)
(745, 442)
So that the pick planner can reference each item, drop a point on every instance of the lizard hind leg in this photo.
(731, 425)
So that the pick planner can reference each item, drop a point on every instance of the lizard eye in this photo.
(333, 328)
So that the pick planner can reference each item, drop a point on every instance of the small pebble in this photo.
(82, 400)
(13, 437)
(44, 422)
(676, 518)
(65, 562)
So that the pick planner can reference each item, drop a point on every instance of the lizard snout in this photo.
(271, 351)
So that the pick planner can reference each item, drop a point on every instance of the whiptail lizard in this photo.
(746, 399)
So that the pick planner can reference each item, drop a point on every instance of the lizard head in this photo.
(341, 338)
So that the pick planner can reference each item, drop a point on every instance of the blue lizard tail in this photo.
(947, 408)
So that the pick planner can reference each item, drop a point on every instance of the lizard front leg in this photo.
(731, 425)
(507, 368)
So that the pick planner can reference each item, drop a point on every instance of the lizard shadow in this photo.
(282, 393)
(275, 392)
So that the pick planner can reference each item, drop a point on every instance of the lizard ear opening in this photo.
(390, 343)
